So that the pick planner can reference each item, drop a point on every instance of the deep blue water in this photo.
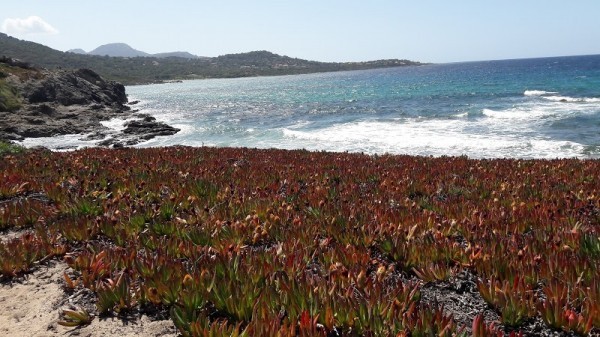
(531, 108)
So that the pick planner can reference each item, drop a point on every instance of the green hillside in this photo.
(138, 70)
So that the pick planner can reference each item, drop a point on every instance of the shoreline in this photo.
(134, 128)
(83, 147)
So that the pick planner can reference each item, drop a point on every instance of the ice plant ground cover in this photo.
(244, 242)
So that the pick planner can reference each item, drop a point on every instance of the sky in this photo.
(436, 31)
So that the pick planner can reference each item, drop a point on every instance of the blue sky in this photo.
(324, 30)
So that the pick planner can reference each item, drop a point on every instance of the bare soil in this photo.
(31, 307)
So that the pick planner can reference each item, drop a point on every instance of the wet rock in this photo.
(137, 131)
(96, 135)
(149, 128)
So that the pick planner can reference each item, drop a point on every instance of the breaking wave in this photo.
(555, 97)
(538, 92)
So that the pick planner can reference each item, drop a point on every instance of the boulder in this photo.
(149, 128)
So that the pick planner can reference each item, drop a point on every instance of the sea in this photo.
(524, 108)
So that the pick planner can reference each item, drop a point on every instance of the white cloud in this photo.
(28, 26)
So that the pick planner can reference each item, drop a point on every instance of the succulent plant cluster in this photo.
(245, 242)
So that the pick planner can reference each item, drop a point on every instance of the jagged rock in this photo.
(149, 128)
(71, 102)
(58, 102)
(96, 135)
(80, 87)
(137, 131)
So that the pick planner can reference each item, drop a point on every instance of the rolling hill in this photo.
(125, 50)
(153, 69)
(117, 50)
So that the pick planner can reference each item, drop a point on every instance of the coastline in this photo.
(119, 131)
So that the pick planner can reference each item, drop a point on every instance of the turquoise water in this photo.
(536, 108)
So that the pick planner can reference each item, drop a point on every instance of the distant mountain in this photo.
(152, 69)
(182, 54)
(77, 51)
(125, 50)
(117, 50)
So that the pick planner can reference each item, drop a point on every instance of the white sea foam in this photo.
(116, 124)
(538, 92)
(184, 136)
(433, 137)
(60, 143)
(553, 96)
(520, 113)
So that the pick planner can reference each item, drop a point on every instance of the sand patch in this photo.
(28, 308)
(31, 308)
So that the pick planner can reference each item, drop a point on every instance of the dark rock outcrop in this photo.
(68, 102)
(149, 128)
(57, 102)
(140, 130)
(80, 87)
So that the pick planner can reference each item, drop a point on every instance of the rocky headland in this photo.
(42, 103)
